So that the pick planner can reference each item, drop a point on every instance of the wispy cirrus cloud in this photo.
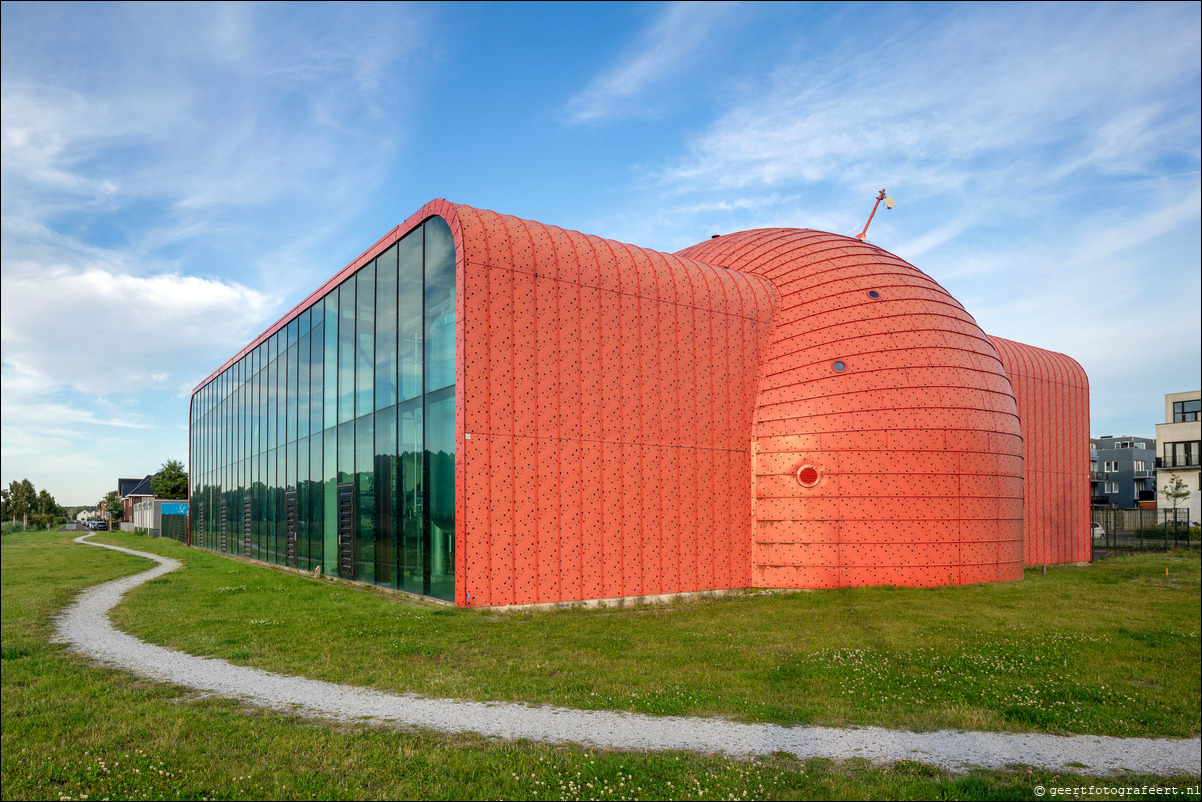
(164, 168)
(671, 45)
(1054, 90)
(1045, 160)
(196, 117)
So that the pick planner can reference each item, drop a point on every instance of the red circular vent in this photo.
(807, 475)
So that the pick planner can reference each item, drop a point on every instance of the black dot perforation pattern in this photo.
(916, 441)
(1052, 392)
(608, 391)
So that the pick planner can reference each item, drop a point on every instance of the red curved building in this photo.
(772, 408)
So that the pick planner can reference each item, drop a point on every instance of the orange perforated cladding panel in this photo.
(782, 408)
(1052, 392)
(884, 387)
(605, 395)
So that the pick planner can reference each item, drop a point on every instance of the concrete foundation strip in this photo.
(86, 627)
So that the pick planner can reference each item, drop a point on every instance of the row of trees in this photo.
(21, 501)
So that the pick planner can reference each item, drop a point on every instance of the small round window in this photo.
(807, 476)
(839, 366)
(873, 294)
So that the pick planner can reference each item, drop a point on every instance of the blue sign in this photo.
(178, 508)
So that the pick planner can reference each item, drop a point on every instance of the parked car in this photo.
(1098, 531)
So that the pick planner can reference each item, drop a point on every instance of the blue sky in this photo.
(177, 176)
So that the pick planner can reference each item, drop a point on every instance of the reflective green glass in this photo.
(291, 385)
(440, 479)
(316, 405)
(411, 436)
(410, 325)
(346, 351)
(290, 476)
(440, 304)
(316, 497)
(244, 420)
(346, 451)
(316, 380)
(329, 475)
(365, 542)
(302, 503)
(281, 485)
(260, 508)
(272, 399)
(272, 519)
(302, 387)
(281, 420)
(330, 355)
(386, 495)
(365, 352)
(385, 337)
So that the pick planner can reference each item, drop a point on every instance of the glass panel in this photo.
(330, 369)
(316, 495)
(410, 325)
(259, 508)
(272, 399)
(386, 339)
(386, 495)
(277, 506)
(365, 352)
(302, 504)
(315, 405)
(316, 378)
(272, 487)
(281, 420)
(262, 393)
(256, 420)
(329, 473)
(440, 304)
(411, 436)
(346, 351)
(289, 454)
(365, 542)
(302, 387)
(346, 452)
(440, 481)
(291, 383)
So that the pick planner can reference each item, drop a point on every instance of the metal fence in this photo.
(1143, 529)
(175, 527)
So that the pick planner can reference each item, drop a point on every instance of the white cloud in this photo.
(197, 118)
(674, 42)
(1051, 89)
(99, 330)
(163, 166)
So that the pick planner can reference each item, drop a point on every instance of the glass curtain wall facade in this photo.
(332, 442)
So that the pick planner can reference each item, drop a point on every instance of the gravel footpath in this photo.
(85, 626)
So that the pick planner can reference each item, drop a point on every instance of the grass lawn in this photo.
(74, 731)
(1111, 648)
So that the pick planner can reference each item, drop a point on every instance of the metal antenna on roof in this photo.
(889, 203)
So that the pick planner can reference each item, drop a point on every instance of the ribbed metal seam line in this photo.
(809, 267)
(664, 290)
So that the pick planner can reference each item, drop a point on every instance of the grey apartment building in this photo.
(1123, 471)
